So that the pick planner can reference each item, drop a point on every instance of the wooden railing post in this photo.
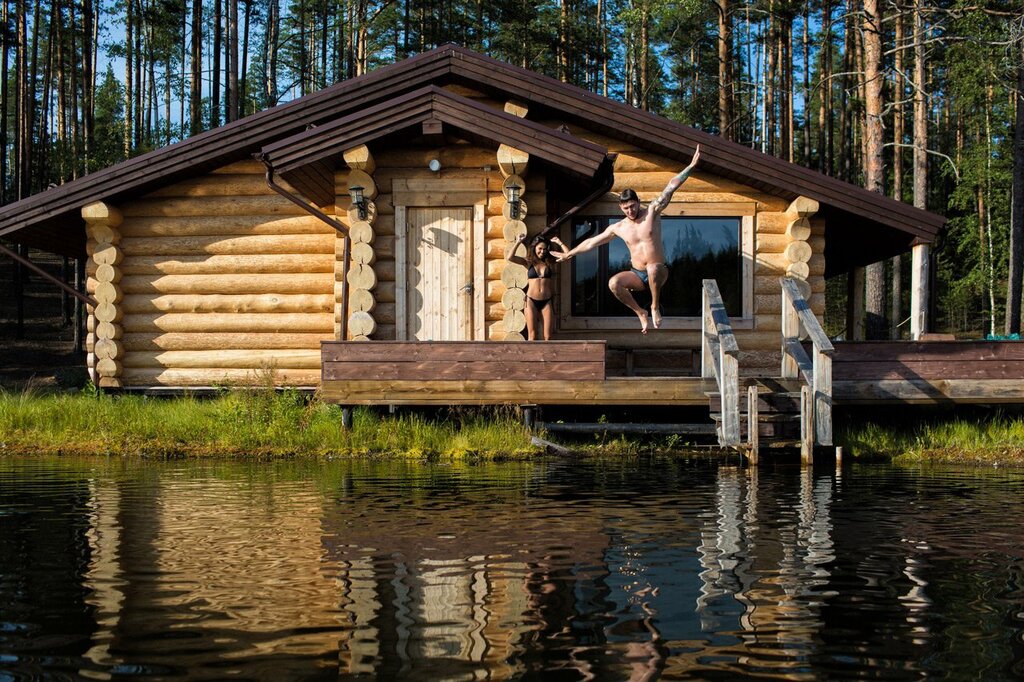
(720, 358)
(817, 370)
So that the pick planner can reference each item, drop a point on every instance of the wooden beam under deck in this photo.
(614, 391)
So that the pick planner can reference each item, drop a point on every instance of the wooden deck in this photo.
(928, 373)
(491, 373)
(575, 372)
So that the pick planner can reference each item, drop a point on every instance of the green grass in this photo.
(244, 422)
(996, 438)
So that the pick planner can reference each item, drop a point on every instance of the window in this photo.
(696, 248)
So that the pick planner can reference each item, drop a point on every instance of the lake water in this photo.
(566, 570)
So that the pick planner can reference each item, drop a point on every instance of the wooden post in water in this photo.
(753, 433)
(806, 426)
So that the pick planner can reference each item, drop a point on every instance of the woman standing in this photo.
(540, 286)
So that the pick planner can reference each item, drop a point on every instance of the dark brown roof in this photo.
(51, 219)
(298, 158)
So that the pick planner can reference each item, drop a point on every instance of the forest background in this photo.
(921, 100)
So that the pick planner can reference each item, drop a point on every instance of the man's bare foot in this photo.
(643, 321)
(656, 317)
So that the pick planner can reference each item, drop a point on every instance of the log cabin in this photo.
(374, 219)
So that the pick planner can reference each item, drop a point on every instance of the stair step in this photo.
(782, 417)
(611, 427)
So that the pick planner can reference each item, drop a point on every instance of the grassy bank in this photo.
(993, 439)
(243, 423)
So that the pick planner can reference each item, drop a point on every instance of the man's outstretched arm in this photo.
(675, 183)
(585, 245)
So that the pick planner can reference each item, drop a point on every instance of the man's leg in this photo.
(657, 275)
(622, 285)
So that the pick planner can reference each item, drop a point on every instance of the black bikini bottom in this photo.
(541, 305)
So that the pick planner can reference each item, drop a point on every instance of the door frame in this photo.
(436, 192)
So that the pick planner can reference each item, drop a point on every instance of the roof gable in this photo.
(303, 158)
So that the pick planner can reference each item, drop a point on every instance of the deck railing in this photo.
(816, 371)
(719, 358)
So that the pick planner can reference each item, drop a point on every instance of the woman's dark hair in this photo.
(531, 252)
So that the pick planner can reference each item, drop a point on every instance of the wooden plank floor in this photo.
(928, 373)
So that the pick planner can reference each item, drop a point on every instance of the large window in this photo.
(695, 249)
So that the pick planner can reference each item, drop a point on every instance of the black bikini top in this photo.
(533, 274)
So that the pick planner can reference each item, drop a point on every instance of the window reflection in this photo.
(695, 249)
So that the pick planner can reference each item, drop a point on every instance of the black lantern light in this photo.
(513, 202)
(358, 200)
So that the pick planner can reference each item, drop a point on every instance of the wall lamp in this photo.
(513, 201)
(358, 200)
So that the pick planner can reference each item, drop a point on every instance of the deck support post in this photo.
(753, 432)
(919, 278)
(529, 416)
(346, 418)
(806, 426)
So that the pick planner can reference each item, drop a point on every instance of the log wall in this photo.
(221, 281)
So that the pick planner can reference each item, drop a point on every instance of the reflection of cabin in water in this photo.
(207, 266)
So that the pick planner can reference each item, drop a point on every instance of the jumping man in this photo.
(641, 230)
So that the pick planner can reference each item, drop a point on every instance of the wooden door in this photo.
(439, 285)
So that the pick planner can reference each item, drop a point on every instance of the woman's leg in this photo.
(548, 315)
(531, 319)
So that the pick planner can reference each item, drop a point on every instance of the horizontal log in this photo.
(107, 330)
(513, 299)
(101, 234)
(362, 277)
(495, 291)
(385, 332)
(222, 341)
(642, 162)
(219, 185)
(361, 323)
(514, 320)
(361, 300)
(803, 207)
(512, 161)
(108, 312)
(463, 351)
(106, 254)
(228, 284)
(107, 367)
(243, 166)
(698, 182)
(411, 159)
(232, 245)
(212, 206)
(321, 323)
(524, 209)
(275, 263)
(219, 377)
(800, 271)
(513, 229)
(769, 285)
(363, 254)
(496, 311)
(107, 292)
(362, 232)
(226, 359)
(217, 225)
(228, 303)
(513, 276)
(798, 252)
(773, 304)
(495, 248)
(776, 264)
(384, 292)
(359, 158)
(108, 349)
(101, 213)
(107, 273)
(358, 178)
(385, 271)
(799, 228)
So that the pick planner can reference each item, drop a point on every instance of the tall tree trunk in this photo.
(898, 131)
(846, 86)
(920, 110)
(232, 61)
(1015, 279)
(218, 44)
(563, 42)
(786, 100)
(73, 49)
(273, 30)
(769, 81)
(195, 101)
(88, 82)
(807, 86)
(21, 142)
(4, 99)
(645, 46)
(243, 88)
(874, 177)
(725, 128)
